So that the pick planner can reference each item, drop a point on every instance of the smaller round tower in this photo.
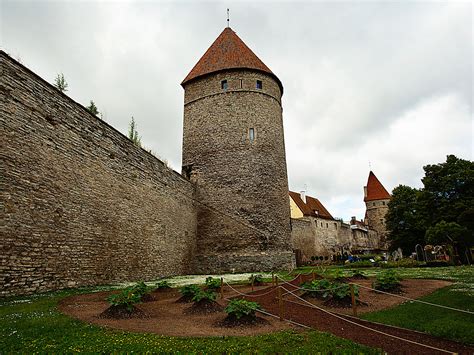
(376, 199)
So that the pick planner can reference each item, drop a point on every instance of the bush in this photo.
(256, 279)
(438, 263)
(162, 285)
(337, 275)
(318, 288)
(140, 288)
(212, 283)
(356, 264)
(343, 291)
(189, 291)
(358, 274)
(204, 295)
(240, 308)
(127, 298)
(387, 281)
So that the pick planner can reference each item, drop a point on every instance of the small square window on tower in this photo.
(224, 84)
(251, 134)
(259, 84)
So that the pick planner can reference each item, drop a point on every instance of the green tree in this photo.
(448, 192)
(446, 233)
(92, 108)
(60, 83)
(403, 219)
(133, 133)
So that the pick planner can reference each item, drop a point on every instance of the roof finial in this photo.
(370, 166)
(228, 20)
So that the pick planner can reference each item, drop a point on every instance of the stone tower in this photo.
(376, 199)
(234, 152)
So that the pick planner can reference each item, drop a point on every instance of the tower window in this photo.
(224, 84)
(259, 84)
(241, 83)
(251, 134)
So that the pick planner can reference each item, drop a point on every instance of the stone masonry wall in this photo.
(82, 204)
(244, 183)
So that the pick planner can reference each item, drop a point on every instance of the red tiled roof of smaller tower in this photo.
(311, 206)
(375, 189)
(228, 52)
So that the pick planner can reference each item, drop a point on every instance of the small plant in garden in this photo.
(207, 296)
(241, 308)
(189, 291)
(256, 279)
(140, 288)
(337, 275)
(127, 298)
(387, 281)
(342, 291)
(212, 283)
(318, 288)
(162, 285)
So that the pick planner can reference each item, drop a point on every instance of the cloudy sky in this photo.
(385, 82)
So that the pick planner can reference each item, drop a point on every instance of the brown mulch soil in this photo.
(297, 311)
(121, 312)
(203, 307)
(243, 321)
(166, 316)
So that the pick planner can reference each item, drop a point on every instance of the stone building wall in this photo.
(322, 237)
(244, 222)
(82, 204)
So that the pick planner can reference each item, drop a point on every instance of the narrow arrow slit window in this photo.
(251, 134)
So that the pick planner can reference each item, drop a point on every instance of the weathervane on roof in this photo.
(228, 20)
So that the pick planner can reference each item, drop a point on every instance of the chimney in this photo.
(353, 220)
(365, 191)
(303, 196)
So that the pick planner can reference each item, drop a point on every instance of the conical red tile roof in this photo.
(228, 52)
(375, 189)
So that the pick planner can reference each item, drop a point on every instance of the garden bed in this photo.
(165, 316)
(374, 301)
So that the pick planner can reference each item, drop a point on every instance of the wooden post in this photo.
(222, 287)
(253, 279)
(354, 302)
(273, 278)
(280, 304)
(314, 275)
(276, 280)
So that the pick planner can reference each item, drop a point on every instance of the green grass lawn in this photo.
(33, 324)
(433, 320)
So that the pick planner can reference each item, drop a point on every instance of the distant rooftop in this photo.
(313, 207)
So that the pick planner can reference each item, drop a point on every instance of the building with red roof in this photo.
(376, 199)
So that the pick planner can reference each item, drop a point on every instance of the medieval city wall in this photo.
(82, 204)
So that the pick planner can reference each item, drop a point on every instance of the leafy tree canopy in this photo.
(447, 233)
(448, 191)
(403, 219)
